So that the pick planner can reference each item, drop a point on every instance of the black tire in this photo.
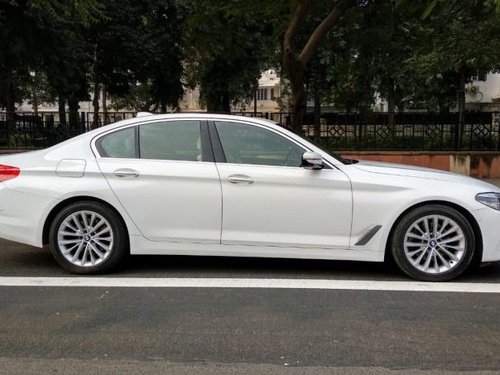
(464, 247)
(118, 246)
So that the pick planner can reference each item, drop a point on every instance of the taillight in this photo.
(7, 172)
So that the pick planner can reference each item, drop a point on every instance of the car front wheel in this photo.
(87, 238)
(433, 243)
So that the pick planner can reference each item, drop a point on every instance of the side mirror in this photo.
(312, 160)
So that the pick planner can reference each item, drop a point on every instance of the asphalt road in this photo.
(122, 330)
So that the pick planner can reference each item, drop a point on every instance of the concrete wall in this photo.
(475, 164)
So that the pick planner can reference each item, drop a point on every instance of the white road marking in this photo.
(126, 282)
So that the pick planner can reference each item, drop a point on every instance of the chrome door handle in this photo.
(126, 173)
(239, 178)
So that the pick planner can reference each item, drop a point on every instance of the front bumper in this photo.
(489, 224)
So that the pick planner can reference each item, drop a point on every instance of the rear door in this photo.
(164, 176)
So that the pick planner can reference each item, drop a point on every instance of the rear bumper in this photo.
(21, 216)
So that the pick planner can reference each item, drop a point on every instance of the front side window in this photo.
(170, 140)
(247, 144)
(119, 144)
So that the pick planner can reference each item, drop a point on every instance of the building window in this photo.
(272, 94)
(262, 94)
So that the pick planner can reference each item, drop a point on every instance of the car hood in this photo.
(420, 172)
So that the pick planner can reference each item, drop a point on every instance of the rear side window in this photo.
(119, 144)
(171, 140)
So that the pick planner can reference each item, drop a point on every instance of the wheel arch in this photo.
(478, 236)
(82, 198)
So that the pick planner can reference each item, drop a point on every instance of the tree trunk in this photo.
(95, 103)
(294, 65)
(11, 95)
(297, 100)
(61, 101)
(74, 120)
(104, 104)
(461, 95)
(317, 113)
(255, 103)
(219, 104)
(391, 103)
(211, 105)
(443, 107)
(461, 106)
(11, 101)
(35, 102)
(163, 105)
(226, 103)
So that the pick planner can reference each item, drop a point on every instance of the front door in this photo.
(270, 200)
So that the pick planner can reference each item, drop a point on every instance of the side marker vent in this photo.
(365, 238)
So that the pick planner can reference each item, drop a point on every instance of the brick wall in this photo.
(475, 164)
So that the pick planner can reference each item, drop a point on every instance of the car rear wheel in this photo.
(88, 238)
(433, 243)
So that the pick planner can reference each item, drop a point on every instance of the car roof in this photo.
(146, 117)
(143, 117)
(75, 143)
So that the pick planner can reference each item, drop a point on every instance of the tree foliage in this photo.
(137, 46)
(408, 53)
(462, 41)
(78, 44)
(228, 46)
(342, 53)
(36, 36)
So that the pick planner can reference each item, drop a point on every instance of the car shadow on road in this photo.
(190, 266)
(21, 260)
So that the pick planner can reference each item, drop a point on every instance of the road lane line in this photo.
(129, 282)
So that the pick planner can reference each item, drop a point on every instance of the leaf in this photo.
(429, 9)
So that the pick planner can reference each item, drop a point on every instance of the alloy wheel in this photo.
(434, 244)
(85, 238)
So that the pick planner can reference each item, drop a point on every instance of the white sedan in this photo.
(203, 184)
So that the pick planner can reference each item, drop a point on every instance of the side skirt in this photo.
(140, 246)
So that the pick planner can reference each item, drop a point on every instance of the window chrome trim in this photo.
(212, 126)
(206, 153)
(206, 120)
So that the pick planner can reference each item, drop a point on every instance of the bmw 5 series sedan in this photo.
(202, 184)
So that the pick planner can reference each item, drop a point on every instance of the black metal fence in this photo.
(335, 131)
(479, 131)
(27, 130)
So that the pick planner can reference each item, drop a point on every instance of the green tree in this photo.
(29, 34)
(342, 69)
(138, 44)
(462, 40)
(296, 58)
(228, 46)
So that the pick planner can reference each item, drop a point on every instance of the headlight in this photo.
(489, 199)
